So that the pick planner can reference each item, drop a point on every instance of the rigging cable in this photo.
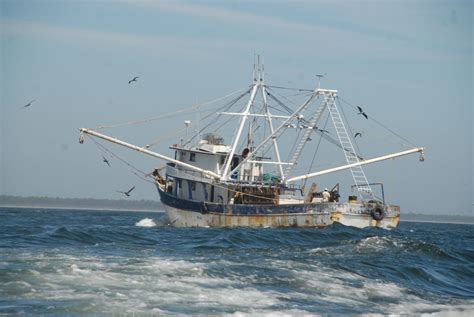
(289, 88)
(382, 125)
(316, 151)
(169, 114)
(102, 148)
(291, 101)
(214, 110)
(350, 130)
(225, 107)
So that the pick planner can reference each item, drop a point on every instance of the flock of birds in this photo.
(134, 79)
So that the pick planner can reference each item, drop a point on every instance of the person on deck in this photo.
(326, 195)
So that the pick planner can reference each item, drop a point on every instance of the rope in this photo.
(109, 152)
(144, 179)
(169, 114)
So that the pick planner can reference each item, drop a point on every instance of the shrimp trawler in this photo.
(250, 181)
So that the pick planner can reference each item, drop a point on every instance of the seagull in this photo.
(321, 130)
(357, 134)
(127, 193)
(28, 104)
(105, 160)
(134, 79)
(362, 112)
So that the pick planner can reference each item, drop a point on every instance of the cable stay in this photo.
(172, 113)
(410, 144)
(107, 151)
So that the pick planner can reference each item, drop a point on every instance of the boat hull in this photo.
(187, 213)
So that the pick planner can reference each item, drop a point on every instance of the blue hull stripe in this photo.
(201, 207)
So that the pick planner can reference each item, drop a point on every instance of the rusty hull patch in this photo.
(274, 221)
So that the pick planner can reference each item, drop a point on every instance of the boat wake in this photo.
(146, 222)
(61, 264)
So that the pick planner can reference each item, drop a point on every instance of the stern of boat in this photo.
(366, 215)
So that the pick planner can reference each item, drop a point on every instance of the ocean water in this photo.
(96, 263)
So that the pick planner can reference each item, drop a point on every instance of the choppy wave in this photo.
(105, 263)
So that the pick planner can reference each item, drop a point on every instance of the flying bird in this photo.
(357, 134)
(134, 79)
(28, 104)
(321, 130)
(127, 193)
(362, 112)
(105, 160)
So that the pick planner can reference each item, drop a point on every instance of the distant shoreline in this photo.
(469, 222)
(80, 203)
(81, 208)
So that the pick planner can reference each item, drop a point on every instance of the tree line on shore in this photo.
(6, 200)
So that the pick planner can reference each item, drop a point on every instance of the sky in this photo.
(410, 63)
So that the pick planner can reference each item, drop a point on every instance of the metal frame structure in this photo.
(354, 163)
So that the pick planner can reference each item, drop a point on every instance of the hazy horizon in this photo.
(409, 63)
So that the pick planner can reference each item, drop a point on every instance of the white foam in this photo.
(146, 222)
(341, 287)
(143, 285)
(110, 285)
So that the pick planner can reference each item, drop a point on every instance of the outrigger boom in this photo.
(369, 161)
(148, 152)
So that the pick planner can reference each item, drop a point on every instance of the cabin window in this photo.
(192, 157)
(193, 186)
(222, 160)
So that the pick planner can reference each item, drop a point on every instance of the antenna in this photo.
(198, 120)
(319, 79)
(186, 123)
(254, 70)
(259, 65)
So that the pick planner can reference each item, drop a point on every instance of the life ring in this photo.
(377, 213)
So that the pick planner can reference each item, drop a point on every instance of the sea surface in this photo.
(103, 263)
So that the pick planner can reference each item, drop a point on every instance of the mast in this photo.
(225, 173)
(275, 133)
(272, 131)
